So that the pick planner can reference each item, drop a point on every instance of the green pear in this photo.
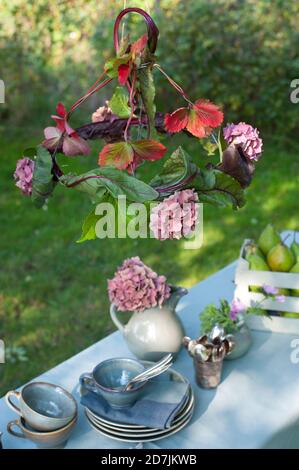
(283, 291)
(280, 258)
(295, 269)
(257, 263)
(253, 249)
(268, 239)
(289, 314)
(295, 250)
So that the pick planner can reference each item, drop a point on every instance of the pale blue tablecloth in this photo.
(256, 405)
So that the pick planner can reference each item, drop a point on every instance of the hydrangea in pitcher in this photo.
(132, 130)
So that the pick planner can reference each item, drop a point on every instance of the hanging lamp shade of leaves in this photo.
(131, 127)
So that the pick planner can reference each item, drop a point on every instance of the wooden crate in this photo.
(246, 277)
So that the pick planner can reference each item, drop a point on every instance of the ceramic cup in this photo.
(110, 377)
(44, 406)
(44, 440)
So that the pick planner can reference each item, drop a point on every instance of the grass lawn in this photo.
(53, 299)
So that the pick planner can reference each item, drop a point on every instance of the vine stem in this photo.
(153, 31)
(90, 92)
(174, 84)
(131, 100)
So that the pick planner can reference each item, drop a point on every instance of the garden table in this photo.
(256, 405)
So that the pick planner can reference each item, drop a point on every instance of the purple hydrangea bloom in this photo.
(175, 216)
(270, 290)
(24, 174)
(245, 136)
(280, 298)
(236, 307)
(136, 287)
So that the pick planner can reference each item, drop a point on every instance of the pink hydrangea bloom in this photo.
(175, 216)
(136, 287)
(24, 174)
(236, 307)
(245, 136)
(103, 113)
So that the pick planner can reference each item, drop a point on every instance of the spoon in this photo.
(153, 371)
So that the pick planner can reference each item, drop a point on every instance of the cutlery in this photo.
(153, 371)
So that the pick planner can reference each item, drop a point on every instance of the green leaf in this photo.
(111, 66)
(88, 227)
(177, 170)
(118, 183)
(147, 90)
(119, 102)
(42, 182)
(218, 188)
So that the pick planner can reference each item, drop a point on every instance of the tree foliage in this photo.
(245, 53)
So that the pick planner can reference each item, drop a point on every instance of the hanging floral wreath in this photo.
(132, 106)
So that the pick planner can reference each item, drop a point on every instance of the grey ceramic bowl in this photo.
(44, 406)
(44, 440)
(110, 377)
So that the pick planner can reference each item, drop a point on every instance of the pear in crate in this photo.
(289, 314)
(257, 263)
(295, 269)
(283, 291)
(280, 258)
(268, 239)
(252, 249)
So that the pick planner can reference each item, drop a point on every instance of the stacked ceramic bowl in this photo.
(119, 429)
(47, 414)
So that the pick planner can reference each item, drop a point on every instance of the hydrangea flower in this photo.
(270, 290)
(24, 174)
(245, 136)
(236, 307)
(176, 216)
(103, 113)
(136, 287)
(280, 298)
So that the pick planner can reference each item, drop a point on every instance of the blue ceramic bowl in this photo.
(109, 378)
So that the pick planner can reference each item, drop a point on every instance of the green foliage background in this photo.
(242, 54)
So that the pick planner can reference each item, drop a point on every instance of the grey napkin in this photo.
(160, 402)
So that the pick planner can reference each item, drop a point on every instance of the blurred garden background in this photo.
(240, 54)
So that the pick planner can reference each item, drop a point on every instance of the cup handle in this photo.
(12, 432)
(116, 321)
(86, 380)
(13, 393)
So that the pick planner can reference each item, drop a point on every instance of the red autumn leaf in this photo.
(138, 46)
(199, 120)
(72, 143)
(123, 73)
(61, 110)
(118, 154)
(209, 113)
(129, 155)
(195, 126)
(148, 149)
(177, 120)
